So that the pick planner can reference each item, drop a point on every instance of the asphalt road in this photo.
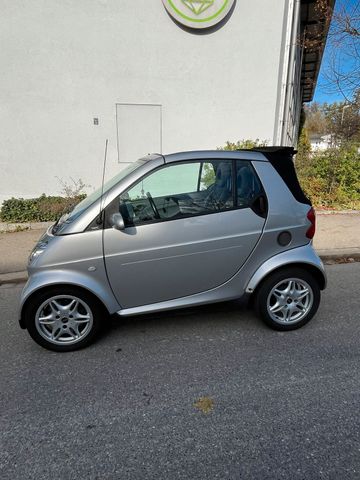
(281, 405)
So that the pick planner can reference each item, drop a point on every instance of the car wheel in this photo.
(63, 319)
(288, 299)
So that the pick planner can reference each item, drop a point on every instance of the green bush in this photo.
(331, 178)
(244, 144)
(41, 209)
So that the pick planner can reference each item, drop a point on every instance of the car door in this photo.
(184, 232)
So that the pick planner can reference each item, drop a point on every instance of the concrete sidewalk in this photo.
(337, 235)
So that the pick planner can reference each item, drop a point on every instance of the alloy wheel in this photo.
(289, 301)
(64, 319)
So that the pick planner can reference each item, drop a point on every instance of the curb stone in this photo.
(328, 259)
(19, 227)
(14, 277)
(337, 212)
(337, 259)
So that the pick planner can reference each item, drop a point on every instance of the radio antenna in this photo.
(100, 220)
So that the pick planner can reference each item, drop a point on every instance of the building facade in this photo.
(149, 76)
(320, 143)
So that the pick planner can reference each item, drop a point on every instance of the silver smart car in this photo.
(173, 231)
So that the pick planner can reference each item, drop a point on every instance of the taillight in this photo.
(311, 217)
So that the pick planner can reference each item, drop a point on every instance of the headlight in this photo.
(38, 250)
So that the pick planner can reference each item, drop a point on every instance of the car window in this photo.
(208, 173)
(179, 190)
(172, 180)
(248, 185)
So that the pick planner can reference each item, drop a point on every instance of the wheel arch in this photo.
(311, 269)
(301, 257)
(44, 288)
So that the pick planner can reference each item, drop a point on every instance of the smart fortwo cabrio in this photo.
(173, 231)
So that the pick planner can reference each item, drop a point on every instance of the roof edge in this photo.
(315, 28)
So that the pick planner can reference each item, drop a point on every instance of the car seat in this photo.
(220, 191)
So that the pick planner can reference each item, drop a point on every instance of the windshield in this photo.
(93, 197)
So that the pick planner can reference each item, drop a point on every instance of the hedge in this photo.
(331, 178)
(41, 209)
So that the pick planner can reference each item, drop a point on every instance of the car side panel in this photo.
(284, 214)
(165, 260)
(301, 255)
(73, 260)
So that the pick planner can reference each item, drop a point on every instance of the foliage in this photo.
(303, 148)
(72, 189)
(41, 209)
(244, 144)
(315, 122)
(331, 178)
(208, 176)
(340, 120)
(44, 208)
(343, 120)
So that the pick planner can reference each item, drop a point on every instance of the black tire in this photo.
(96, 309)
(263, 292)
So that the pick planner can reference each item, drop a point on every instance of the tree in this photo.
(315, 122)
(343, 120)
(303, 149)
(342, 61)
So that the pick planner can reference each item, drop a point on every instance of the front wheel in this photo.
(63, 318)
(288, 299)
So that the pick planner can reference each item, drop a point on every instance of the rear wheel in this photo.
(63, 318)
(288, 299)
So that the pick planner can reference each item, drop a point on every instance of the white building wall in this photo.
(64, 62)
(290, 101)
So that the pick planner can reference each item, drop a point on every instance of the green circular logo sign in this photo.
(198, 13)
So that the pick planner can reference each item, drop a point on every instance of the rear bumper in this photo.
(304, 256)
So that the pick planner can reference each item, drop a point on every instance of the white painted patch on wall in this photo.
(139, 130)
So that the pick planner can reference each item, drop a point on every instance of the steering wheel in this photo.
(153, 206)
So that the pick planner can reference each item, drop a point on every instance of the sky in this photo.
(322, 93)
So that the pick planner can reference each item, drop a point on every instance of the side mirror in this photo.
(117, 221)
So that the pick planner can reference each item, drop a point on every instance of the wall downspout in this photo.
(290, 79)
(288, 74)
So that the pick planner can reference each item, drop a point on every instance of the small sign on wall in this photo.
(198, 13)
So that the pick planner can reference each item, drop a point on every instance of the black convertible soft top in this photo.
(275, 150)
(281, 158)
